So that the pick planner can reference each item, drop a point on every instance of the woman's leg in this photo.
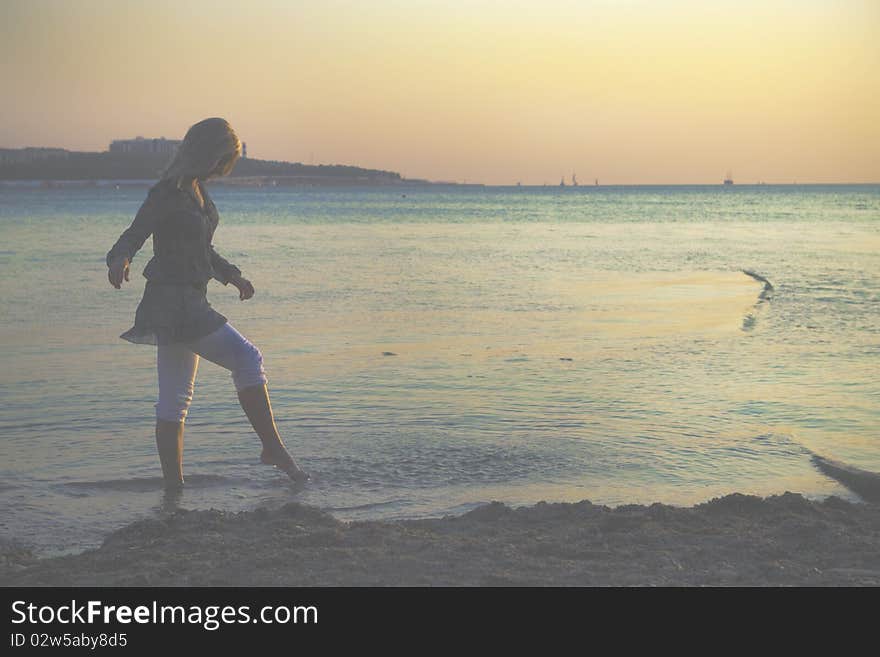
(177, 368)
(230, 349)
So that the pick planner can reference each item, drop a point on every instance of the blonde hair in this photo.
(210, 147)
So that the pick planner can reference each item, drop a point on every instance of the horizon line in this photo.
(422, 181)
(513, 184)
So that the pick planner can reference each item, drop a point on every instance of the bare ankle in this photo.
(173, 484)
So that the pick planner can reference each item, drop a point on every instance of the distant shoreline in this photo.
(249, 182)
(62, 168)
(307, 182)
(54, 165)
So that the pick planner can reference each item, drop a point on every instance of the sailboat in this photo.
(562, 182)
(574, 180)
(728, 180)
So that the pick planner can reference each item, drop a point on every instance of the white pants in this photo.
(177, 364)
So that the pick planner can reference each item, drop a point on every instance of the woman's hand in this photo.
(245, 289)
(118, 270)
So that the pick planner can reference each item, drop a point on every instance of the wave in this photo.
(146, 484)
(768, 286)
(366, 507)
(751, 318)
(865, 484)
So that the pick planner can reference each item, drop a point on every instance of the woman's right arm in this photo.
(132, 239)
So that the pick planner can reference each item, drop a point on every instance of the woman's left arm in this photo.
(224, 271)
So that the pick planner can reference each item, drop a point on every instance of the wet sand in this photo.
(729, 541)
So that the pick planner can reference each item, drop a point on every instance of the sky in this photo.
(629, 92)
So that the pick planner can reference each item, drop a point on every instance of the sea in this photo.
(433, 348)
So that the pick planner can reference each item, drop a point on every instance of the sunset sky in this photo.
(639, 91)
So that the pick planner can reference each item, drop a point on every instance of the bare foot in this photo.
(282, 460)
(171, 499)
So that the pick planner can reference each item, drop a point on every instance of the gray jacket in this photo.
(182, 234)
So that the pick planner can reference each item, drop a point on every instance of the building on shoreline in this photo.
(151, 145)
(140, 145)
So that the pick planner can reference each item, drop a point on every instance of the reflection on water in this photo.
(432, 353)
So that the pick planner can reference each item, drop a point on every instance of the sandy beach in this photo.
(735, 540)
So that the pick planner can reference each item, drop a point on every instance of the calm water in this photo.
(591, 343)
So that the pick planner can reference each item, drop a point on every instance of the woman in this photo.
(174, 313)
